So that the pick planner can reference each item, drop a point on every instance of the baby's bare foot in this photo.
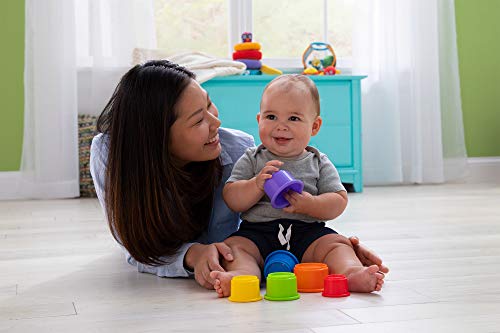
(365, 279)
(222, 283)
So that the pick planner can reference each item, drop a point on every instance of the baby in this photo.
(289, 116)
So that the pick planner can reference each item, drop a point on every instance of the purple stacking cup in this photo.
(278, 185)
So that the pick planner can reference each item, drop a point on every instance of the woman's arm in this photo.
(174, 266)
(192, 259)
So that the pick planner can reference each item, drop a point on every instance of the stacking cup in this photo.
(281, 286)
(279, 261)
(278, 185)
(310, 277)
(245, 288)
(336, 286)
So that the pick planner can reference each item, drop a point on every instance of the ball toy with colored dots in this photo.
(319, 59)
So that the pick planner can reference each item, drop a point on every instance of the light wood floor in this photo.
(60, 271)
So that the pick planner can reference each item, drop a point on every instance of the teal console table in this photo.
(238, 101)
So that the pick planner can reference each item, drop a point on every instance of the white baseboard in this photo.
(483, 170)
(14, 187)
(9, 185)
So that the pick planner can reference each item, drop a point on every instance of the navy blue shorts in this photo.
(294, 236)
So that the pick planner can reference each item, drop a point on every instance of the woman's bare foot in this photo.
(365, 279)
(222, 283)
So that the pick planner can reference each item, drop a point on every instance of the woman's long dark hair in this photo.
(152, 205)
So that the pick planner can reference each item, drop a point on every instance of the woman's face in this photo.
(194, 135)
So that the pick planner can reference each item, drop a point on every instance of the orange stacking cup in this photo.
(310, 277)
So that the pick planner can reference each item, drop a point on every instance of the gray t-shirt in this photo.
(312, 167)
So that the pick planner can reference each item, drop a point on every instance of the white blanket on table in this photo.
(203, 65)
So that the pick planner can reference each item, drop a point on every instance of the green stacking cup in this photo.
(281, 286)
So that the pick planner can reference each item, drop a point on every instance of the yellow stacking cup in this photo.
(245, 288)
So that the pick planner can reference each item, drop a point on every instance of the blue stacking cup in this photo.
(279, 261)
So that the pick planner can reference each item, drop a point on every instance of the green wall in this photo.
(478, 33)
(11, 83)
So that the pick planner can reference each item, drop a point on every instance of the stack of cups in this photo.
(248, 52)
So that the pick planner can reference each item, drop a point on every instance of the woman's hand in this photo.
(367, 256)
(206, 258)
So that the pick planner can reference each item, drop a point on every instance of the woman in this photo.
(159, 166)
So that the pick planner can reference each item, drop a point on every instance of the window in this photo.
(340, 23)
(283, 28)
(196, 25)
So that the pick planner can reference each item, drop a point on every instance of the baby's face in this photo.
(287, 120)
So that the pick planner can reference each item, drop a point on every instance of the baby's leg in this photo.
(247, 261)
(336, 251)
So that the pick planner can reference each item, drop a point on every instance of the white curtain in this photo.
(107, 33)
(75, 52)
(49, 164)
(412, 117)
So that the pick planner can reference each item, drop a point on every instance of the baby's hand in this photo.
(300, 203)
(267, 172)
